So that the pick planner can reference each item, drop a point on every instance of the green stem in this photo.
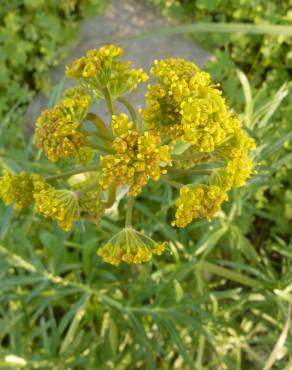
(200, 352)
(28, 163)
(229, 274)
(112, 193)
(100, 125)
(70, 173)
(183, 171)
(99, 147)
(130, 204)
(131, 110)
(108, 100)
(97, 135)
(252, 354)
(89, 133)
(172, 183)
(185, 157)
(86, 189)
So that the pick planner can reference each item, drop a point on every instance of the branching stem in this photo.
(184, 171)
(100, 125)
(131, 110)
(112, 193)
(174, 184)
(71, 173)
(108, 100)
(86, 189)
(99, 147)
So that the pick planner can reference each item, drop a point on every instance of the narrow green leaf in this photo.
(72, 331)
(179, 344)
(6, 222)
(209, 27)
(57, 92)
(208, 242)
(248, 97)
(280, 342)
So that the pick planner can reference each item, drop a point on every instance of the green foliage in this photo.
(217, 300)
(263, 57)
(34, 36)
(266, 61)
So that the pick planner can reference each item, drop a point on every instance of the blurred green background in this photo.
(220, 298)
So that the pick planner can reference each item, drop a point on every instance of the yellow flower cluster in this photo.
(198, 201)
(57, 128)
(137, 158)
(186, 106)
(121, 124)
(239, 166)
(100, 69)
(130, 246)
(60, 205)
(183, 110)
(16, 189)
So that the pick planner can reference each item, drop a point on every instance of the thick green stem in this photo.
(174, 184)
(200, 351)
(100, 125)
(112, 193)
(86, 189)
(108, 100)
(198, 155)
(131, 110)
(28, 163)
(99, 147)
(89, 133)
(183, 171)
(71, 173)
(130, 204)
(229, 274)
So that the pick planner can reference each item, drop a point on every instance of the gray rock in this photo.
(123, 18)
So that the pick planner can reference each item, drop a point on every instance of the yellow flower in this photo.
(239, 165)
(121, 124)
(186, 106)
(77, 99)
(57, 128)
(100, 69)
(137, 159)
(125, 79)
(16, 189)
(60, 205)
(198, 201)
(130, 246)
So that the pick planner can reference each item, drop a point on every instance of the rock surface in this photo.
(123, 18)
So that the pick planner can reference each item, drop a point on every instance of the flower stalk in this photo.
(71, 173)
(131, 110)
(129, 213)
(108, 100)
(100, 125)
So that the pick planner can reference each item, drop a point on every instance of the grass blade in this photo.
(280, 342)
(209, 27)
